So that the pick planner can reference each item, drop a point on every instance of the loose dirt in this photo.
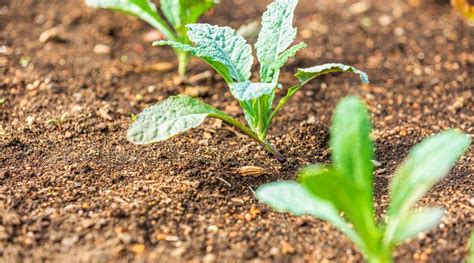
(72, 188)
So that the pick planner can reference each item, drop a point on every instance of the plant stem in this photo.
(183, 59)
(269, 147)
(384, 256)
(265, 143)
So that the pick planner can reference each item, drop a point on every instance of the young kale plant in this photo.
(346, 186)
(231, 56)
(178, 13)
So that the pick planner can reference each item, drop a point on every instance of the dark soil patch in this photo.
(76, 190)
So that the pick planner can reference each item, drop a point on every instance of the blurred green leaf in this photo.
(144, 9)
(292, 197)
(427, 163)
(417, 222)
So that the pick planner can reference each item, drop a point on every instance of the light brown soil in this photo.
(76, 190)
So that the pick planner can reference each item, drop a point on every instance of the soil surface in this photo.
(72, 188)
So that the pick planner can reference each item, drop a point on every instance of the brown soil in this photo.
(76, 190)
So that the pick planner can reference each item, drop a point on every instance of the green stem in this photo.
(260, 125)
(265, 143)
(381, 256)
(183, 59)
(269, 147)
(282, 102)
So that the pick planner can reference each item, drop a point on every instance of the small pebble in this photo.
(102, 49)
(249, 30)
(162, 66)
(359, 8)
(213, 229)
(30, 120)
(197, 91)
(152, 35)
(399, 31)
(69, 241)
(68, 135)
(248, 217)
(385, 20)
(208, 258)
(138, 248)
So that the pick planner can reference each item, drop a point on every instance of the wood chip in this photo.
(50, 35)
(102, 49)
(162, 66)
(254, 171)
(138, 248)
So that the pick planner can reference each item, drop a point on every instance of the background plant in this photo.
(346, 186)
(464, 8)
(231, 56)
(178, 13)
(470, 258)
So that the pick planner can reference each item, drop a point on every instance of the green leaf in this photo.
(418, 222)
(292, 197)
(276, 35)
(244, 91)
(144, 9)
(352, 154)
(219, 67)
(183, 12)
(287, 54)
(175, 45)
(352, 149)
(176, 115)
(304, 75)
(273, 70)
(330, 185)
(426, 164)
(172, 10)
(168, 118)
(223, 45)
(196, 8)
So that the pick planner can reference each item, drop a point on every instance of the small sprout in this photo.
(52, 122)
(133, 117)
(64, 117)
(124, 58)
(346, 186)
(139, 97)
(231, 56)
(25, 61)
(58, 121)
(2, 101)
(178, 14)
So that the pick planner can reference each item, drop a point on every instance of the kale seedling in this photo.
(231, 56)
(178, 13)
(346, 186)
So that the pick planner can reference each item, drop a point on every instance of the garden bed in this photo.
(73, 188)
